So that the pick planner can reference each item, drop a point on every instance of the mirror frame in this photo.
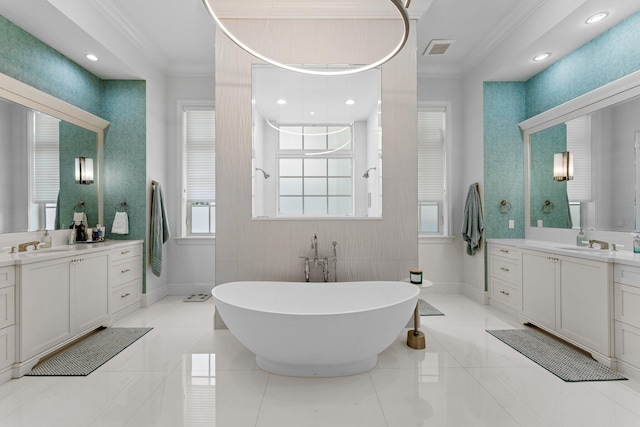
(30, 97)
(604, 96)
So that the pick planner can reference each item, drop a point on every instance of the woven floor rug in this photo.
(560, 359)
(427, 309)
(90, 353)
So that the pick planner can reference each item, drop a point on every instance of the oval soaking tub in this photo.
(316, 329)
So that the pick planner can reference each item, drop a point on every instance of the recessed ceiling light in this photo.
(597, 17)
(312, 113)
(91, 57)
(541, 56)
(350, 102)
(281, 101)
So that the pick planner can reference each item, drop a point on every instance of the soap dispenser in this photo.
(46, 239)
(580, 239)
(636, 242)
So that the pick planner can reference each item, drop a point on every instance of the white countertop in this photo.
(61, 251)
(618, 257)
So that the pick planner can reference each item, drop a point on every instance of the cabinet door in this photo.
(45, 306)
(538, 288)
(91, 291)
(585, 300)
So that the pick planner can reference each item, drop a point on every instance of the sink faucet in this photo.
(603, 245)
(22, 247)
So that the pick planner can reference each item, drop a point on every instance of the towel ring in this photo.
(548, 206)
(122, 205)
(80, 205)
(505, 207)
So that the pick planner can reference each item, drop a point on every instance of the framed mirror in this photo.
(317, 145)
(602, 132)
(40, 137)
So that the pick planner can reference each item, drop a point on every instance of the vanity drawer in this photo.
(506, 293)
(7, 276)
(125, 271)
(505, 251)
(124, 252)
(7, 347)
(7, 306)
(626, 274)
(627, 304)
(125, 295)
(627, 343)
(506, 269)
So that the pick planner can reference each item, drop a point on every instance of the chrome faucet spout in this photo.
(314, 245)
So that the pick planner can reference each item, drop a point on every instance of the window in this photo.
(199, 170)
(46, 170)
(315, 170)
(432, 204)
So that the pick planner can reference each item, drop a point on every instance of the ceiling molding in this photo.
(503, 28)
(129, 30)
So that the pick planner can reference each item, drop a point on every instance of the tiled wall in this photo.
(376, 249)
(608, 57)
(123, 103)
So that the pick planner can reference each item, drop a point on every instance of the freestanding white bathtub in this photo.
(316, 329)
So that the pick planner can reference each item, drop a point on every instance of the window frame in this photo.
(444, 206)
(186, 204)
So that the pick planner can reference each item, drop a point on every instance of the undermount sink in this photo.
(44, 251)
(582, 249)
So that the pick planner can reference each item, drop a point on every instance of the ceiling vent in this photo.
(438, 47)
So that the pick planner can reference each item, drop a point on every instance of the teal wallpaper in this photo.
(123, 103)
(544, 145)
(608, 57)
(504, 108)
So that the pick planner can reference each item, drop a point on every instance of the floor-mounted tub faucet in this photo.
(314, 245)
(307, 268)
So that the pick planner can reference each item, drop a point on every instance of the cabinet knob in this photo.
(125, 271)
(505, 293)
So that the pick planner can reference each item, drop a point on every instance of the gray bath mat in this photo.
(427, 309)
(197, 298)
(560, 359)
(90, 353)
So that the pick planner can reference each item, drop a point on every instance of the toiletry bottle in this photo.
(72, 236)
(46, 239)
(636, 242)
(81, 235)
(581, 238)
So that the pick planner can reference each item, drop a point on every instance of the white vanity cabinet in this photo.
(7, 320)
(59, 300)
(627, 318)
(571, 297)
(505, 275)
(125, 279)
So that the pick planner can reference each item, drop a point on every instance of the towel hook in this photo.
(122, 205)
(505, 207)
(548, 206)
(80, 205)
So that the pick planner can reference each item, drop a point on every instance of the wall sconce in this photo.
(84, 170)
(563, 166)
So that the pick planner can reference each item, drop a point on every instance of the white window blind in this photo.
(431, 154)
(579, 145)
(200, 155)
(46, 160)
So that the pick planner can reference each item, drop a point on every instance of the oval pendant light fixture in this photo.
(402, 9)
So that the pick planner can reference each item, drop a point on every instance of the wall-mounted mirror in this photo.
(601, 195)
(317, 145)
(40, 138)
(602, 131)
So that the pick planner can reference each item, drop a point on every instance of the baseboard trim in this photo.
(155, 296)
(478, 295)
(187, 289)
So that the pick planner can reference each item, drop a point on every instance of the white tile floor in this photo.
(183, 373)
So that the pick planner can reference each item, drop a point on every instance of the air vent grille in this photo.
(438, 47)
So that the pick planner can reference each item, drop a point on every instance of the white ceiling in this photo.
(176, 37)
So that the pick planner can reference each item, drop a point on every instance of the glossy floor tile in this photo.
(185, 373)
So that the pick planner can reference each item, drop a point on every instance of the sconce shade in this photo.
(562, 166)
(84, 170)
